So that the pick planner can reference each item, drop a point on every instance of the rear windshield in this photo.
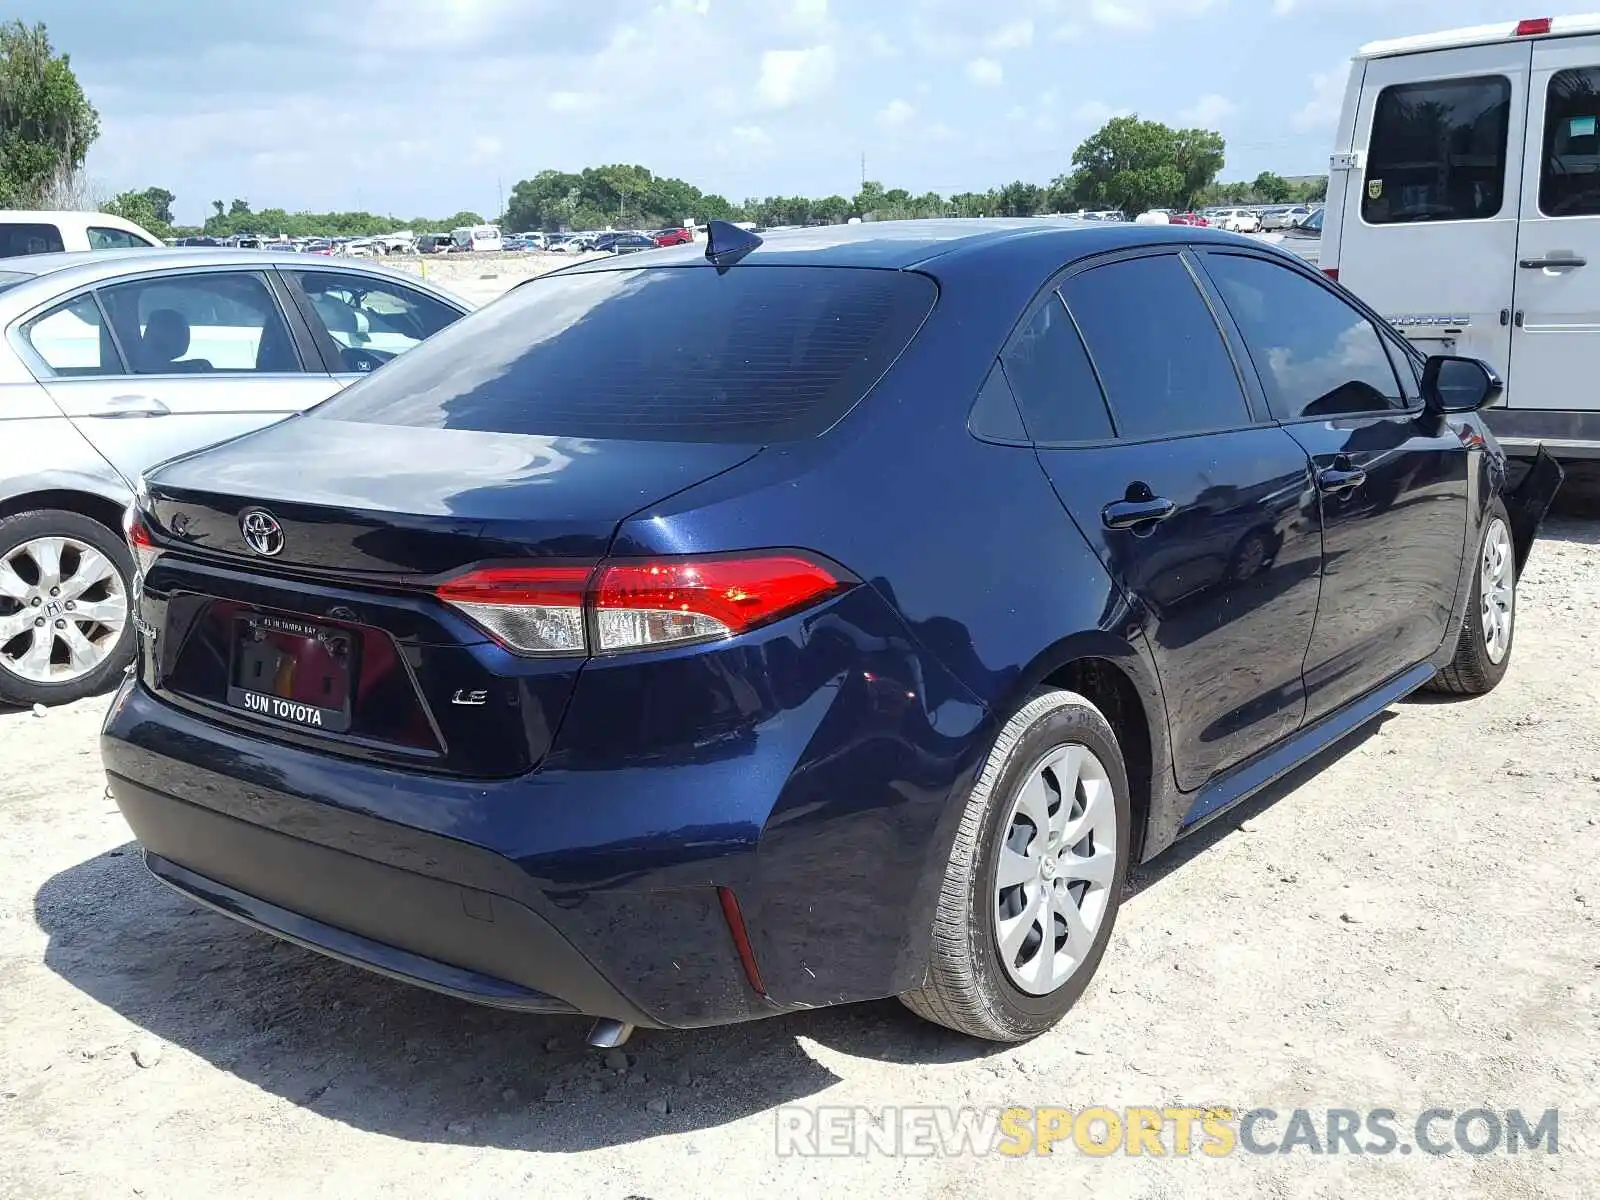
(757, 354)
(18, 238)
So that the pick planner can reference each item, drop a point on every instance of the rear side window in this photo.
(101, 238)
(19, 239)
(1054, 384)
(1157, 348)
(757, 354)
(1438, 151)
(1569, 177)
(73, 340)
(1316, 355)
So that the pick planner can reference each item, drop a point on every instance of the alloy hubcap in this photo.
(1497, 591)
(1058, 854)
(62, 609)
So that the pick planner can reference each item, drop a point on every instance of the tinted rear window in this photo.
(17, 239)
(757, 354)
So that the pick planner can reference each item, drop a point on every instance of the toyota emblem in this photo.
(261, 530)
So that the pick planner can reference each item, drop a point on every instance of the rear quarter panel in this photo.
(967, 544)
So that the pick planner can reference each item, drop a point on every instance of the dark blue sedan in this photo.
(803, 621)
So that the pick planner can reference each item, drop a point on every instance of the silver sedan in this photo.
(113, 361)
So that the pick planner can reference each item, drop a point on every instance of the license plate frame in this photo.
(262, 638)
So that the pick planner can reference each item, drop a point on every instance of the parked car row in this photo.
(676, 525)
(116, 360)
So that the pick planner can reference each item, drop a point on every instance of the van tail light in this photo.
(1332, 273)
(140, 541)
(1532, 26)
(638, 604)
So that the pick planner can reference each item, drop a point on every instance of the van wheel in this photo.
(1035, 875)
(65, 630)
(1483, 650)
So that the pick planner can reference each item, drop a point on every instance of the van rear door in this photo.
(1429, 229)
(1555, 338)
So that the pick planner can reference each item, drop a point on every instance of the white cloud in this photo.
(895, 114)
(1321, 112)
(1139, 16)
(570, 101)
(789, 77)
(985, 72)
(1208, 111)
(698, 7)
(751, 135)
(485, 149)
(1013, 35)
(1096, 113)
(809, 14)
(1067, 31)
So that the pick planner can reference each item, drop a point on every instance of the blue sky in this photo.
(429, 106)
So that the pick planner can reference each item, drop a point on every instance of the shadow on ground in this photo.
(380, 1056)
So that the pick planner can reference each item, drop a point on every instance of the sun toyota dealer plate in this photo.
(293, 672)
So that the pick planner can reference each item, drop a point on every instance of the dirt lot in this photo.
(1410, 923)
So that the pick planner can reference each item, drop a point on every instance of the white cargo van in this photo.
(1464, 205)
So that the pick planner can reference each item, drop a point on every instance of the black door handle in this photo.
(1334, 480)
(1125, 514)
(1555, 260)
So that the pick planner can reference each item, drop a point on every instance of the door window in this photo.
(1317, 356)
(1156, 348)
(371, 321)
(224, 321)
(101, 238)
(1569, 176)
(72, 339)
(1438, 151)
(18, 238)
(1050, 375)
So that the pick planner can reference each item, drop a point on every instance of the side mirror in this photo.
(1451, 384)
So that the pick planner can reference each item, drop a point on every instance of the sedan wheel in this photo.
(1483, 647)
(1497, 590)
(1034, 878)
(64, 614)
(1057, 860)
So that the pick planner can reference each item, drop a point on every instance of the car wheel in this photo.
(65, 631)
(1035, 875)
(1483, 650)
(1250, 557)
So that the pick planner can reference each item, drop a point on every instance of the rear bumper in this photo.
(1565, 434)
(806, 770)
(444, 936)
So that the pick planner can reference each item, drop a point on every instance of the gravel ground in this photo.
(1409, 923)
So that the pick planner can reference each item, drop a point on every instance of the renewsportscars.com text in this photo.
(1215, 1132)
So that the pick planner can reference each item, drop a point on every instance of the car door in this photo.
(1555, 335)
(1429, 232)
(1391, 479)
(183, 360)
(362, 321)
(1200, 511)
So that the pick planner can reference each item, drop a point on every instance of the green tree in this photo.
(46, 122)
(1019, 199)
(1272, 188)
(1134, 165)
(145, 209)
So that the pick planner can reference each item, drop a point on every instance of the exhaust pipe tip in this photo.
(607, 1033)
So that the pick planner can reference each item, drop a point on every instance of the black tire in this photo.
(52, 522)
(1473, 671)
(967, 987)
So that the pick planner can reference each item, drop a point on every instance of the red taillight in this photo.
(1332, 273)
(632, 605)
(666, 600)
(532, 610)
(139, 539)
(1533, 26)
